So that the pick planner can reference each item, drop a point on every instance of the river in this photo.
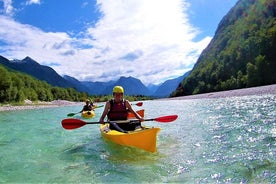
(224, 140)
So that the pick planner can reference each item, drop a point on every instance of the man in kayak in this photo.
(87, 106)
(117, 109)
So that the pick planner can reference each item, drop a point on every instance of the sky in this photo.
(102, 40)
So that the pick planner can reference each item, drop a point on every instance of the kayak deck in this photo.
(88, 114)
(144, 138)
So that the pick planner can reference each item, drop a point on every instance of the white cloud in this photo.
(160, 30)
(29, 2)
(8, 8)
(25, 40)
(149, 40)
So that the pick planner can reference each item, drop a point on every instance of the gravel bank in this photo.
(262, 90)
(39, 105)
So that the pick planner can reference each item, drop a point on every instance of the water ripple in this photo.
(225, 140)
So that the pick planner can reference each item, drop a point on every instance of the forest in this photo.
(241, 54)
(16, 87)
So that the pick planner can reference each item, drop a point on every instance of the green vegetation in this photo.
(242, 53)
(15, 87)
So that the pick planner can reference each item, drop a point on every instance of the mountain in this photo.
(79, 86)
(97, 88)
(17, 87)
(132, 86)
(153, 87)
(241, 54)
(41, 72)
(165, 89)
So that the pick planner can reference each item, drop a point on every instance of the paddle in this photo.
(73, 114)
(138, 104)
(72, 123)
(98, 106)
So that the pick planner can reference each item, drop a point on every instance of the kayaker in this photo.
(92, 105)
(87, 106)
(117, 109)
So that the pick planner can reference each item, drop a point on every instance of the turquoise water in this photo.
(228, 140)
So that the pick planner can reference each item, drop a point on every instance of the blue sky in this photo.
(152, 40)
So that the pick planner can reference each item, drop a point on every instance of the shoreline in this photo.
(39, 105)
(261, 90)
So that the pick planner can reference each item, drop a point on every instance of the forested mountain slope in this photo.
(241, 54)
(17, 87)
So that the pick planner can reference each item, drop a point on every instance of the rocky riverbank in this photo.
(38, 105)
(262, 90)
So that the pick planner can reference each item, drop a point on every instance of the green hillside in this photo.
(241, 54)
(16, 87)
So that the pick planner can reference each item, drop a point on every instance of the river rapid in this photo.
(224, 140)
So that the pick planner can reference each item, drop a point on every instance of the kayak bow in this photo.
(144, 138)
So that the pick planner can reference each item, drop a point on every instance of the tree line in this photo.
(17, 87)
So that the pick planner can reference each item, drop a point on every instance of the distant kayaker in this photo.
(117, 109)
(87, 106)
(92, 105)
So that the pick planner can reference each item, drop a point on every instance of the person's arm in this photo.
(82, 109)
(105, 111)
(134, 112)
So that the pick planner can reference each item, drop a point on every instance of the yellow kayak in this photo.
(88, 114)
(140, 137)
(144, 138)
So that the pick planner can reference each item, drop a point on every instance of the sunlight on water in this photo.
(227, 140)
